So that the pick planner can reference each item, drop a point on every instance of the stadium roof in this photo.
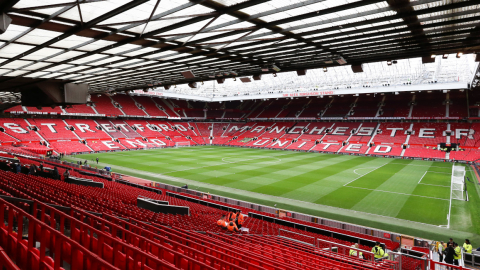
(134, 44)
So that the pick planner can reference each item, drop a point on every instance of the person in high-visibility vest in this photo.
(441, 250)
(240, 219)
(233, 216)
(378, 251)
(457, 255)
(467, 246)
(222, 223)
(353, 252)
(232, 227)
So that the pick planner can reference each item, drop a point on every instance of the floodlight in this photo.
(459, 54)
(445, 56)
(324, 69)
(389, 63)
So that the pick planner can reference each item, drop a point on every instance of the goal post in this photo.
(458, 182)
(182, 144)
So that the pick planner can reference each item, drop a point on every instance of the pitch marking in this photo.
(433, 185)
(421, 178)
(420, 165)
(365, 174)
(401, 193)
(355, 171)
(225, 162)
(223, 159)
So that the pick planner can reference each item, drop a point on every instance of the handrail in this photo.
(370, 257)
(35, 226)
(6, 262)
(138, 256)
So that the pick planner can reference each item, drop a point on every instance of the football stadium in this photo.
(239, 134)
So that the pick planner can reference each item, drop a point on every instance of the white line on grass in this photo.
(365, 174)
(223, 159)
(400, 193)
(420, 165)
(429, 184)
(422, 177)
(224, 162)
(355, 171)
(433, 185)
(439, 172)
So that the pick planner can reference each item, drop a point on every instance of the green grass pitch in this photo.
(378, 192)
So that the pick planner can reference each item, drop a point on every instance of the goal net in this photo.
(182, 144)
(458, 182)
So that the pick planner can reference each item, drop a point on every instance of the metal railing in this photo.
(443, 266)
(406, 261)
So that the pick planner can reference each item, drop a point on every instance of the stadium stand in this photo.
(396, 106)
(19, 129)
(150, 106)
(17, 108)
(111, 129)
(419, 137)
(315, 108)
(48, 110)
(367, 106)
(340, 132)
(340, 106)
(79, 109)
(124, 128)
(129, 105)
(456, 104)
(429, 105)
(428, 134)
(104, 105)
(392, 79)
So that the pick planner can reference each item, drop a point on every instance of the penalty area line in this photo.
(401, 193)
(363, 174)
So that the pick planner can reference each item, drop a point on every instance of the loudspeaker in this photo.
(257, 77)
(301, 72)
(192, 84)
(428, 59)
(167, 86)
(357, 68)
(5, 21)
(245, 79)
(220, 80)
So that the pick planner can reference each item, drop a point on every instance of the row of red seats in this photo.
(37, 251)
(403, 105)
(121, 200)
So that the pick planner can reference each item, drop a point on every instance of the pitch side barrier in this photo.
(138, 186)
(324, 232)
(202, 202)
